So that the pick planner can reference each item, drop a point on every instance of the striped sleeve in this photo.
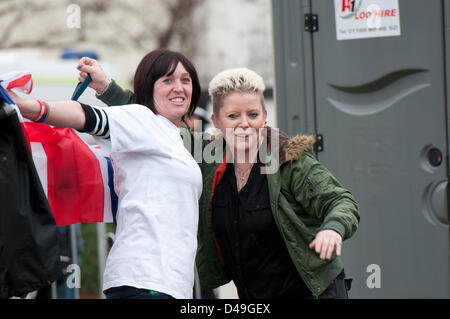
(96, 121)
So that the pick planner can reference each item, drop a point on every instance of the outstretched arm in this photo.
(61, 114)
(323, 198)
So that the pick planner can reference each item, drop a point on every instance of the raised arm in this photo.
(61, 113)
(108, 91)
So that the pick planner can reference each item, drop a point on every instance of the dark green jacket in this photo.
(304, 196)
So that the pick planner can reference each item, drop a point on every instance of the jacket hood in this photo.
(288, 148)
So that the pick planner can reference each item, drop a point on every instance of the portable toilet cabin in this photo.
(372, 79)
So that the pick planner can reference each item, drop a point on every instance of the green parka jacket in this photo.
(304, 196)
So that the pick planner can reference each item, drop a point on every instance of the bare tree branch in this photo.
(7, 30)
(162, 23)
(178, 12)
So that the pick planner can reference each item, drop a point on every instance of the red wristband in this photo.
(43, 112)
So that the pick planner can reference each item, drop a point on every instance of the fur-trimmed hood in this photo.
(290, 148)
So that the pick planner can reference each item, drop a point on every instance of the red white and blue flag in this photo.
(20, 80)
(77, 177)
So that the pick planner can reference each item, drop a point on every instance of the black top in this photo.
(254, 252)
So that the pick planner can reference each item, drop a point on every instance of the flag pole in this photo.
(101, 253)
(74, 248)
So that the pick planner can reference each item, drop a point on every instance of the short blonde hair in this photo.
(234, 80)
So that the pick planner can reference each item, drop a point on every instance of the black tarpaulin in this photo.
(29, 256)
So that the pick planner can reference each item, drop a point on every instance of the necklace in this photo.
(242, 175)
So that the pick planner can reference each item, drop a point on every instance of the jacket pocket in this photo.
(258, 207)
(313, 189)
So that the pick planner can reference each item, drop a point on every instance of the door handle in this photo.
(435, 199)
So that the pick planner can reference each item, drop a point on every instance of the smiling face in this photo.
(172, 94)
(241, 117)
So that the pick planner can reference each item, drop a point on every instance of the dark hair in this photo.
(156, 64)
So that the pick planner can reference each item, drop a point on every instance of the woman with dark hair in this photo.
(152, 67)
(156, 179)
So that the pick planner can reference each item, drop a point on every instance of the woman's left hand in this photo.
(325, 242)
